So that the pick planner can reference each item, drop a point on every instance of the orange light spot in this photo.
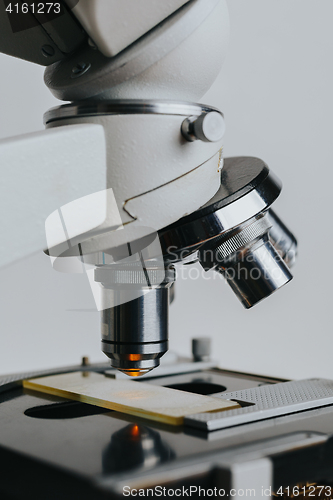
(134, 357)
(133, 373)
(135, 431)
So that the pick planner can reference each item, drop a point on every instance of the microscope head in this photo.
(178, 201)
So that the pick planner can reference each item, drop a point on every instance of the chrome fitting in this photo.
(135, 327)
(237, 234)
(248, 261)
(208, 127)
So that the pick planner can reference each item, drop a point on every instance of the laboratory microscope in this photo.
(166, 196)
(145, 189)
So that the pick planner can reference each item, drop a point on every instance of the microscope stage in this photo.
(54, 448)
(151, 402)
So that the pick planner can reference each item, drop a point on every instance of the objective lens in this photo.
(135, 330)
(248, 261)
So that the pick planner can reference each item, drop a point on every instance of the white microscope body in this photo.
(135, 155)
(165, 54)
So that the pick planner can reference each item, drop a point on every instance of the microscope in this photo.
(168, 196)
(130, 182)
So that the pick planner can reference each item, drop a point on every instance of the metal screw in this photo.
(85, 361)
(48, 51)
(208, 127)
(92, 44)
(80, 69)
(201, 348)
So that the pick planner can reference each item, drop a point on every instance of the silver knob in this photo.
(208, 127)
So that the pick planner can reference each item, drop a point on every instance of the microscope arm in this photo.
(41, 172)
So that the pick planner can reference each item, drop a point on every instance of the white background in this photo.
(276, 93)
